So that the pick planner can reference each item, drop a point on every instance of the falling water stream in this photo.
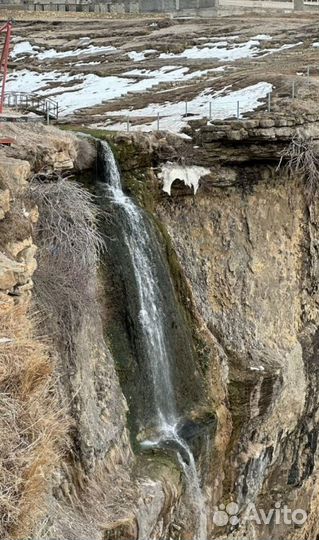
(139, 247)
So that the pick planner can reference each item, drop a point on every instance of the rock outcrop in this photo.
(258, 138)
(79, 477)
(246, 248)
(242, 254)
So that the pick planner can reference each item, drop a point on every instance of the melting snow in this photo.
(32, 81)
(90, 89)
(169, 73)
(189, 175)
(223, 106)
(85, 40)
(91, 49)
(282, 48)
(138, 56)
(263, 37)
(80, 64)
(222, 50)
(24, 47)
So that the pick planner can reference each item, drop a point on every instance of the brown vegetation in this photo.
(68, 250)
(32, 426)
(301, 158)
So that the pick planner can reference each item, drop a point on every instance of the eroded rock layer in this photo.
(242, 259)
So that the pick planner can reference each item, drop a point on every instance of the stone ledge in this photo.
(268, 127)
(262, 137)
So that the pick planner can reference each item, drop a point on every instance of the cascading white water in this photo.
(150, 300)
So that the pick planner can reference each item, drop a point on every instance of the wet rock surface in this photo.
(242, 259)
(246, 248)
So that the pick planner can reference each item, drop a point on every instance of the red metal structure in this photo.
(6, 29)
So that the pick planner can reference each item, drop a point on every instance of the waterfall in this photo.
(150, 318)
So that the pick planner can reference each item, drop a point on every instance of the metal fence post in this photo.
(238, 110)
(47, 113)
(186, 108)
(158, 121)
(210, 110)
(128, 124)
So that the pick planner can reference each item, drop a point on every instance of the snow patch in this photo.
(32, 81)
(282, 48)
(263, 37)
(81, 64)
(190, 175)
(218, 51)
(90, 50)
(90, 89)
(139, 56)
(85, 40)
(23, 47)
(170, 73)
(229, 52)
(172, 115)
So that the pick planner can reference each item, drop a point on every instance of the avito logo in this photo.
(228, 514)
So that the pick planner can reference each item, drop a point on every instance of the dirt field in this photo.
(98, 66)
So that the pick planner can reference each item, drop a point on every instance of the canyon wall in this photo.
(67, 469)
(242, 257)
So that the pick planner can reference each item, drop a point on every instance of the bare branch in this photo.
(69, 246)
(301, 158)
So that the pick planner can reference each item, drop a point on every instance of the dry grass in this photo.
(301, 158)
(32, 424)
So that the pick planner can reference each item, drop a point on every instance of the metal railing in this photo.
(225, 110)
(30, 102)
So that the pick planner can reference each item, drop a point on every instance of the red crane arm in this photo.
(6, 28)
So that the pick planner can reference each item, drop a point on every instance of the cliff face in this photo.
(240, 258)
(33, 423)
(68, 470)
(246, 245)
(64, 444)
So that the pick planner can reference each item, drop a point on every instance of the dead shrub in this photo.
(68, 251)
(301, 158)
(33, 423)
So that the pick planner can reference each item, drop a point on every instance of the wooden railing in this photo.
(29, 102)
